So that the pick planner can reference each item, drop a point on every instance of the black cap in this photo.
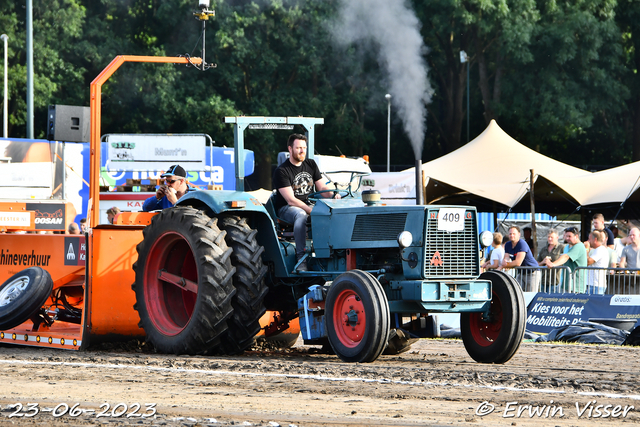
(175, 170)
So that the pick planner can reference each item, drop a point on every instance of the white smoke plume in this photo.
(394, 28)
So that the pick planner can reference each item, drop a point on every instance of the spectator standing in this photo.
(527, 236)
(497, 253)
(73, 228)
(112, 213)
(598, 258)
(598, 224)
(83, 225)
(613, 258)
(552, 250)
(618, 245)
(630, 253)
(575, 257)
(518, 254)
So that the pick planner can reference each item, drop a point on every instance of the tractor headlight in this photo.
(405, 239)
(486, 238)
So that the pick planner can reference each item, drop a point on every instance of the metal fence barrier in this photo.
(548, 280)
(584, 280)
(609, 281)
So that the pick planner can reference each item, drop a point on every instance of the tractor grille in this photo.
(458, 251)
(378, 227)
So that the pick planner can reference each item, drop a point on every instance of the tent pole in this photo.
(532, 201)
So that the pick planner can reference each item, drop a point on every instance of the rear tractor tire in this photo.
(183, 281)
(248, 302)
(496, 338)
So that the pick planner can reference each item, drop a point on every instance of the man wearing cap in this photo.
(176, 186)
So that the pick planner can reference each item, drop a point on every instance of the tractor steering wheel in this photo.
(317, 195)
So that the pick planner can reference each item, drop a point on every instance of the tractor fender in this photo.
(219, 202)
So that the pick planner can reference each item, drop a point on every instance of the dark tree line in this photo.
(560, 77)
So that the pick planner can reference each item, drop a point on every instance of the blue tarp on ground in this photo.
(586, 333)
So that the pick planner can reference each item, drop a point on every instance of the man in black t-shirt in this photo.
(295, 179)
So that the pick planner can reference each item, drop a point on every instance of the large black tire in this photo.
(357, 316)
(248, 302)
(496, 339)
(183, 281)
(23, 295)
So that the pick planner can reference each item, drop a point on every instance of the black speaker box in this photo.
(68, 123)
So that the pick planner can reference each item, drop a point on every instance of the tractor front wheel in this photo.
(183, 281)
(357, 315)
(494, 337)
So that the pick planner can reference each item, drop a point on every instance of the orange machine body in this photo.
(105, 297)
(98, 279)
(94, 271)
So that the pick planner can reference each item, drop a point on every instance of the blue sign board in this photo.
(221, 171)
(549, 311)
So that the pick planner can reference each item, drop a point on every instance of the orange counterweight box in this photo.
(77, 309)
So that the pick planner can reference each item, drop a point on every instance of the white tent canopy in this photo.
(496, 167)
(614, 185)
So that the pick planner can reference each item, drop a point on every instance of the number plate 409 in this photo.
(451, 219)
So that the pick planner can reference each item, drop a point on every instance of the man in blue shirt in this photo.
(176, 186)
(518, 254)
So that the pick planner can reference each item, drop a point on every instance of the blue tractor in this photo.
(371, 267)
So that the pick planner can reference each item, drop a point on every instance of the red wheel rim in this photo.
(170, 283)
(486, 333)
(349, 318)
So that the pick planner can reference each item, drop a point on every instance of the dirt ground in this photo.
(435, 383)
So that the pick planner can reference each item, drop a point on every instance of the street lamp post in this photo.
(388, 97)
(5, 126)
(30, 69)
(465, 58)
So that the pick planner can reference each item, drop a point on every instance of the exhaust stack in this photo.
(419, 188)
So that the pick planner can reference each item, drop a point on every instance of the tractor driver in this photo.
(176, 186)
(294, 179)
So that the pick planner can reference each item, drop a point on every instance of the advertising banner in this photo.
(396, 188)
(26, 180)
(549, 311)
(143, 152)
(49, 216)
(15, 220)
(220, 172)
(43, 170)
(75, 250)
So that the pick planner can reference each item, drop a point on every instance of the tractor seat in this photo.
(284, 229)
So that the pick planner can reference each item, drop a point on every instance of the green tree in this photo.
(628, 19)
(560, 99)
(276, 58)
(492, 33)
(57, 27)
